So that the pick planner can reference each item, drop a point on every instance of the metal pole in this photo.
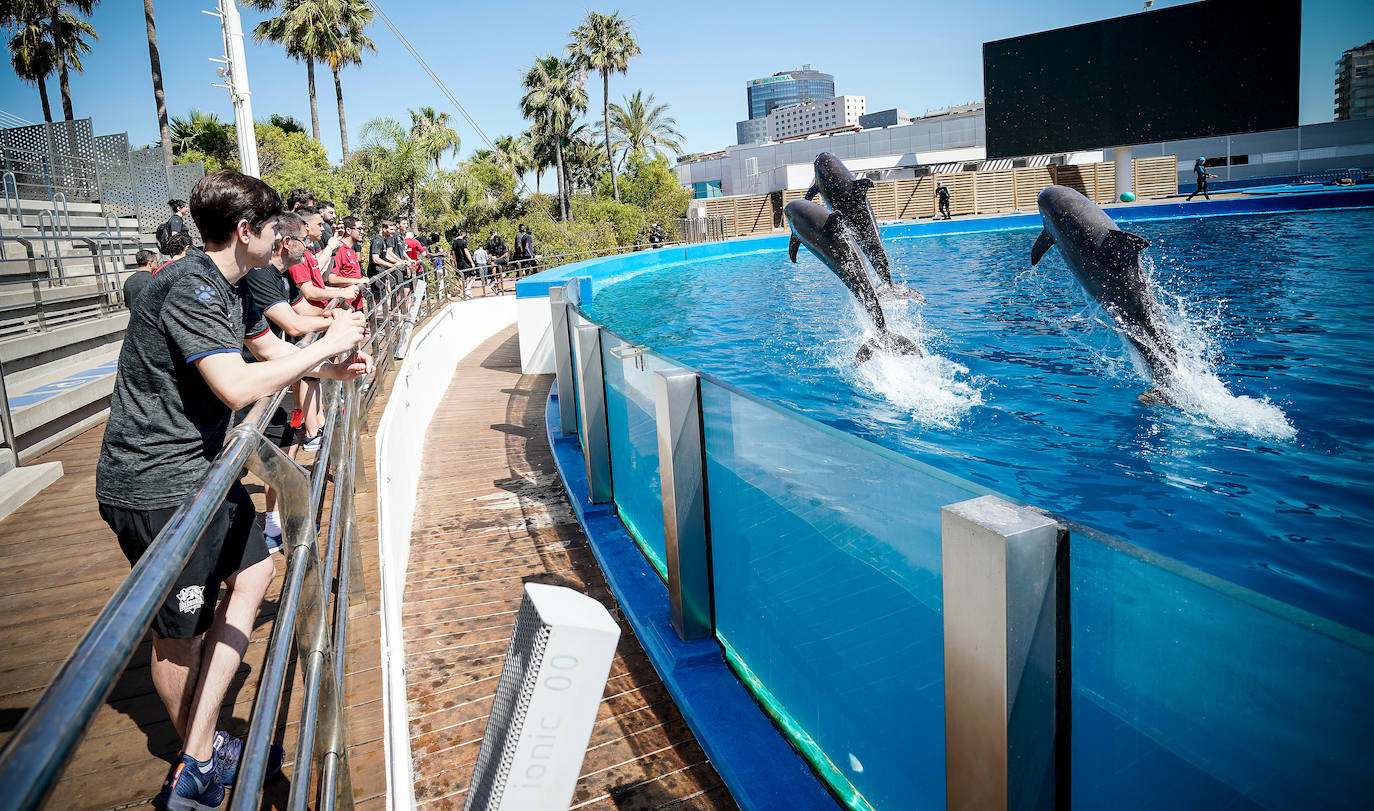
(7, 420)
(236, 78)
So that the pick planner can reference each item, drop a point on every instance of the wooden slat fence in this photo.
(989, 192)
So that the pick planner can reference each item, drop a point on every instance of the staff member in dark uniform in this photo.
(1200, 171)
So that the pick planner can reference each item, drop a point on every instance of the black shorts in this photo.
(231, 543)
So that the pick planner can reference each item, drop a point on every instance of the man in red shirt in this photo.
(414, 250)
(346, 262)
(307, 274)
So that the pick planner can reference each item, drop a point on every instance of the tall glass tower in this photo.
(788, 87)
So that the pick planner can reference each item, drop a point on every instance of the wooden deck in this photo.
(491, 517)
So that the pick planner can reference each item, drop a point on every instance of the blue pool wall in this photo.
(1187, 690)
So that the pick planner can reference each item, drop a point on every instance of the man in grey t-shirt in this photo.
(180, 375)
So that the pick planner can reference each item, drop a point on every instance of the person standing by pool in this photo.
(1200, 171)
(942, 196)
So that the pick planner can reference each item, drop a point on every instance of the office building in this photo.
(1355, 83)
(812, 117)
(751, 131)
(789, 87)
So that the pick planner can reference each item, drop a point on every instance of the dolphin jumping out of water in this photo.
(848, 197)
(824, 234)
(1106, 262)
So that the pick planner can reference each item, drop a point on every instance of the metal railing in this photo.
(48, 271)
(51, 731)
(7, 422)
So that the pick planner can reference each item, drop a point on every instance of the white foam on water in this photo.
(1195, 389)
(930, 390)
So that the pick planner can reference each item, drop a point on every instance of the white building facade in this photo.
(955, 141)
(812, 117)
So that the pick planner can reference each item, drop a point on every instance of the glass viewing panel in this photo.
(826, 565)
(1191, 692)
(633, 432)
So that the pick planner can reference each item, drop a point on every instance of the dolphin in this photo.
(1106, 262)
(824, 234)
(848, 196)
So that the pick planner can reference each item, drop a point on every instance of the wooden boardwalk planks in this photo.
(492, 516)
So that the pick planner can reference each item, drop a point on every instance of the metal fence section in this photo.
(709, 228)
(112, 160)
(323, 577)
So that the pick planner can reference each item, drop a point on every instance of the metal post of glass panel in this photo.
(562, 354)
(681, 467)
(1006, 640)
(591, 391)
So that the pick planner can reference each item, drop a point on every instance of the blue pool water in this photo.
(1260, 477)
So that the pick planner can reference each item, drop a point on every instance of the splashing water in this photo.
(1194, 387)
(930, 390)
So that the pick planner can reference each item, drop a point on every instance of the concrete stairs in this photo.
(62, 320)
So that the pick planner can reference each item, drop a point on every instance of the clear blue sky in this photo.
(697, 57)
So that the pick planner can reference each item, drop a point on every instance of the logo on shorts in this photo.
(205, 292)
(190, 599)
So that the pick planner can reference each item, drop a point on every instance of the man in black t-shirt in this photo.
(381, 260)
(462, 257)
(500, 257)
(180, 375)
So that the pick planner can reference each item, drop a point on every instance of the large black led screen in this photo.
(1212, 68)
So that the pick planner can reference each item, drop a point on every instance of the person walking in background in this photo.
(176, 224)
(942, 197)
(462, 260)
(147, 263)
(479, 258)
(498, 256)
(1200, 172)
(524, 250)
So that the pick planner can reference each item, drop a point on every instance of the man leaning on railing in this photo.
(180, 376)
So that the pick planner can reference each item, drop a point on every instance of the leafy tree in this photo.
(604, 43)
(47, 38)
(285, 123)
(553, 99)
(289, 158)
(32, 54)
(68, 34)
(649, 184)
(398, 162)
(585, 161)
(203, 137)
(642, 126)
(431, 129)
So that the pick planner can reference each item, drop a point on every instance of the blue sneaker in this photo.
(228, 753)
(187, 788)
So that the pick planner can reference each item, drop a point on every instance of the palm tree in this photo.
(301, 29)
(513, 155)
(345, 47)
(553, 99)
(67, 32)
(541, 155)
(604, 43)
(399, 161)
(31, 50)
(435, 134)
(285, 123)
(159, 98)
(643, 126)
(584, 158)
(204, 132)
